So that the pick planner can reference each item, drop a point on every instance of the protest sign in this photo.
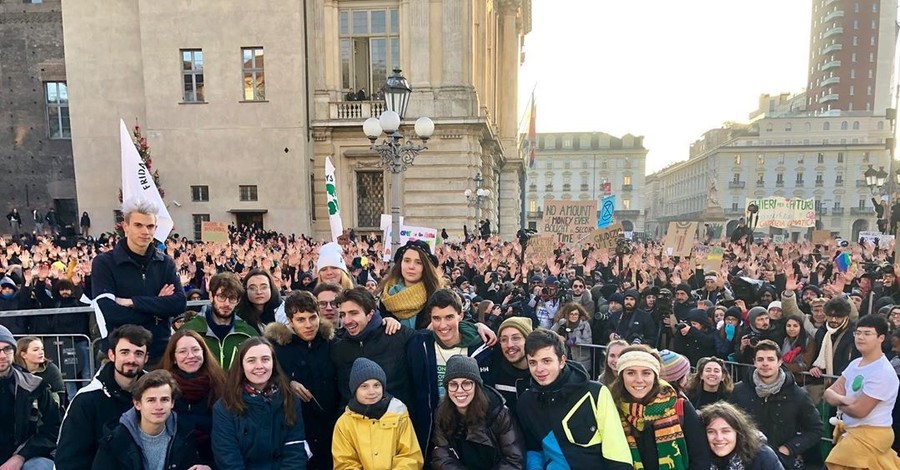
(680, 238)
(214, 232)
(607, 209)
(713, 262)
(428, 235)
(879, 239)
(821, 237)
(571, 221)
(606, 238)
(540, 247)
(780, 212)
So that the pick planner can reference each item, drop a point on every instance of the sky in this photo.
(666, 70)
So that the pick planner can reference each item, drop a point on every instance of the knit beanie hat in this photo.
(683, 287)
(365, 369)
(755, 312)
(734, 312)
(638, 358)
(331, 255)
(674, 366)
(462, 367)
(8, 282)
(774, 304)
(6, 336)
(633, 293)
(522, 324)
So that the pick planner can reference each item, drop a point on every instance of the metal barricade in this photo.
(62, 350)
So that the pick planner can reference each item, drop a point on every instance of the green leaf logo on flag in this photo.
(333, 206)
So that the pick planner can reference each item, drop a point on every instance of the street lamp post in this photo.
(477, 197)
(396, 155)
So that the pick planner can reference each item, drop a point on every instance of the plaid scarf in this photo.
(662, 415)
(266, 393)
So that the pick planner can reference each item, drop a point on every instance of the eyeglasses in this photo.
(865, 334)
(326, 303)
(224, 298)
(9, 350)
(466, 385)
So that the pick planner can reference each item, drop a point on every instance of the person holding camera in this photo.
(696, 336)
(759, 329)
(573, 324)
(545, 302)
(632, 324)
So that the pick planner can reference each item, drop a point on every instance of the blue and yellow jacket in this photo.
(572, 423)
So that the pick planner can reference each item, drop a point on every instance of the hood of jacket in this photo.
(282, 335)
(131, 420)
(570, 378)
(468, 336)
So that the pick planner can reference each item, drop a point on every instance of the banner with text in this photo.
(540, 247)
(428, 235)
(781, 212)
(571, 221)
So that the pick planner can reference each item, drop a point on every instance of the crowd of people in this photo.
(470, 354)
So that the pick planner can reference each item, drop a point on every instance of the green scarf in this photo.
(406, 303)
(663, 416)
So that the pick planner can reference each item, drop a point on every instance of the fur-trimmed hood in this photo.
(283, 335)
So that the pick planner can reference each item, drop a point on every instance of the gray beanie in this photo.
(755, 312)
(6, 336)
(462, 367)
(365, 369)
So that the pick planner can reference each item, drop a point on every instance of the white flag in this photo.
(334, 209)
(137, 182)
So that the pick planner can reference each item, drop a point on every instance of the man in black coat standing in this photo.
(633, 324)
(137, 284)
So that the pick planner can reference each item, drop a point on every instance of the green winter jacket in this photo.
(224, 350)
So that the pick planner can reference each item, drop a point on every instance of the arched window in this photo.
(855, 125)
(826, 126)
(843, 125)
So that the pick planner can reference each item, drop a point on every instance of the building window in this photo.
(799, 178)
(821, 158)
(248, 192)
(626, 204)
(369, 198)
(198, 224)
(862, 203)
(855, 40)
(840, 157)
(192, 75)
(312, 195)
(819, 179)
(58, 110)
(254, 74)
(866, 157)
(779, 178)
(737, 159)
(872, 40)
(839, 180)
(843, 125)
(869, 90)
(853, 57)
(788, 127)
(852, 73)
(826, 126)
(852, 90)
(567, 143)
(837, 204)
(532, 206)
(760, 159)
(737, 178)
(200, 193)
(626, 180)
(871, 57)
(760, 178)
(369, 47)
(800, 159)
(855, 24)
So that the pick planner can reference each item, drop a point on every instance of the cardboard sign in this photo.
(540, 247)
(680, 238)
(216, 232)
(714, 259)
(569, 220)
(606, 238)
(821, 237)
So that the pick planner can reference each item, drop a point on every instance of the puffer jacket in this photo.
(120, 448)
(497, 444)
(93, 409)
(787, 418)
(386, 443)
(259, 439)
(309, 363)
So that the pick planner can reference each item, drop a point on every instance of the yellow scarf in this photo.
(406, 303)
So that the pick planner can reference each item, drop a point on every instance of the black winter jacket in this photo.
(118, 274)
(120, 449)
(389, 352)
(21, 300)
(638, 324)
(495, 445)
(310, 365)
(787, 418)
(696, 345)
(93, 410)
(845, 349)
(37, 416)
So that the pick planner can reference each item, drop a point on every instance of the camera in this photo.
(623, 247)
(637, 340)
(681, 325)
(664, 302)
(753, 338)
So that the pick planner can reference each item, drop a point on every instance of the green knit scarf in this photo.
(663, 416)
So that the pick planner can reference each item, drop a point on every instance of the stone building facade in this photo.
(35, 137)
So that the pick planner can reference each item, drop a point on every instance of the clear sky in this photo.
(666, 70)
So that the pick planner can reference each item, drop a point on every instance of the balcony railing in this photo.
(839, 182)
(831, 80)
(760, 184)
(737, 184)
(861, 210)
(837, 211)
(819, 184)
(832, 31)
(626, 187)
(532, 187)
(798, 184)
(355, 110)
(535, 214)
(584, 188)
(831, 64)
(861, 184)
(828, 97)
(833, 15)
(779, 184)
(822, 211)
